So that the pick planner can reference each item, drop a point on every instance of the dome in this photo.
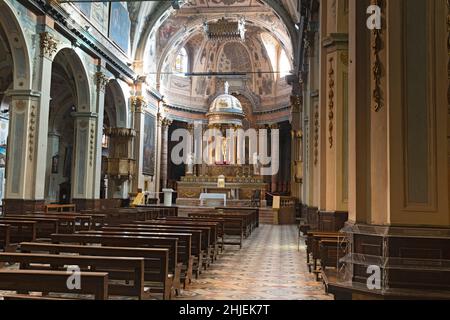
(226, 109)
(226, 103)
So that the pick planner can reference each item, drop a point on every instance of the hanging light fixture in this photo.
(224, 30)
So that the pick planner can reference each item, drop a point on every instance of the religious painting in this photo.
(84, 7)
(149, 145)
(120, 25)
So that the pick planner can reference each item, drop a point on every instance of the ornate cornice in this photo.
(48, 45)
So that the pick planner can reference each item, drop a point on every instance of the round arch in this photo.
(164, 7)
(18, 46)
(117, 112)
(75, 67)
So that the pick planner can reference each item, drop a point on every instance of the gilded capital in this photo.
(48, 45)
(101, 80)
(137, 104)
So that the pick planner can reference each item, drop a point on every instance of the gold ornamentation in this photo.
(91, 144)
(48, 45)
(120, 132)
(331, 102)
(101, 80)
(166, 122)
(137, 104)
(377, 43)
(31, 133)
(296, 103)
(316, 135)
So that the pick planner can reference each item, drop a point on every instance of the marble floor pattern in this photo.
(268, 267)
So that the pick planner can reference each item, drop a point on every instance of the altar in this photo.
(231, 167)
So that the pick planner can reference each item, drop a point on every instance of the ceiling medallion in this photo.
(224, 30)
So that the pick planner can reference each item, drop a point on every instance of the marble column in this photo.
(83, 187)
(28, 134)
(165, 150)
(137, 106)
(275, 154)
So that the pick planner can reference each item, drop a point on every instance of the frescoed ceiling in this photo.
(159, 37)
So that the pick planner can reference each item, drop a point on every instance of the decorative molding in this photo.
(48, 45)
(91, 144)
(377, 44)
(316, 134)
(31, 133)
(166, 122)
(331, 84)
(101, 81)
(296, 103)
(137, 104)
(120, 132)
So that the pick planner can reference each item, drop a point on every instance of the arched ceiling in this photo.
(158, 39)
(146, 17)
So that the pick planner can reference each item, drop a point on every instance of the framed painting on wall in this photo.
(148, 164)
(120, 25)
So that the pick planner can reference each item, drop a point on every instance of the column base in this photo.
(412, 262)
(20, 206)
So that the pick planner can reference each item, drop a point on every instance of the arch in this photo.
(80, 76)
(117, 116)
(164, 7)
(18, 46)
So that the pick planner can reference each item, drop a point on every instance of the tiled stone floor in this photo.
(268, 267)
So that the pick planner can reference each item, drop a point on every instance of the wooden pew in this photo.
(252, 215)
(27, 297)
(5, 238)
(130, 241)
(44, 226)
(216, 229)
(156, 261)
(20, 230)
(234, 225)
(72, 220)
(66, 224)
(116, 267)
(184, 247)
(59, 207)
(198, 246)
(94, 283)
(313, 247)
(331, 250)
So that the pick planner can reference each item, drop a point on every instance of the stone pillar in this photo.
(137, 106)
(51, 186)
(101, 81)
(28, 130)
(83, 186)
(274, 146)
(159, 121)
(399, 187)
(164, 151)
(296, 163)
